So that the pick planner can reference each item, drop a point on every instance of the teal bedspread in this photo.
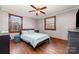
(34, 38)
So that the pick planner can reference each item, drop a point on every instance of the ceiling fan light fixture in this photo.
(38, 10)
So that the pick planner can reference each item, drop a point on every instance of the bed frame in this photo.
(39, 44)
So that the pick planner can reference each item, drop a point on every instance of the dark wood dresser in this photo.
(4, 43)
(73, 41)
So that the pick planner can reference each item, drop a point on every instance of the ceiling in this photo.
(51, 10)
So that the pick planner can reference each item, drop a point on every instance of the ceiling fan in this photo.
(38, 9)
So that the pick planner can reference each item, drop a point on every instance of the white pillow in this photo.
(31, 31)
(27, 31)
(24, 32)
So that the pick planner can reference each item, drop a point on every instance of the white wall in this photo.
(27, 23)
(37, 25)
(0, 21)
(4, 22)
(63, 23)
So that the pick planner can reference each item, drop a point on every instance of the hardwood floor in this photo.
(55, 46)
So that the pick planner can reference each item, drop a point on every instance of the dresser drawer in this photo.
(73, 50)
(71, 34)
(73, 39)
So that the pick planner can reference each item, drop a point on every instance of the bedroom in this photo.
(65, 19)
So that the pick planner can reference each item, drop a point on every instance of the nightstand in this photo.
(37, 31)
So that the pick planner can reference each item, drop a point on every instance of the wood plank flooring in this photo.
(55, 46)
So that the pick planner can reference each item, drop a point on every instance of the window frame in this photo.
(10, 23)
(45, 19)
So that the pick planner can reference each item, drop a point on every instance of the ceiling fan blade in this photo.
(33, 6)
(42, 12)
(32, 11)
(43, 8)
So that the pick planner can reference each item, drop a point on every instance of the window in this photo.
(50, 23)
(15, 23)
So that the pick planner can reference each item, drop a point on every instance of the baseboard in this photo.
(58, 38)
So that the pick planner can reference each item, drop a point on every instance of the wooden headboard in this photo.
(25, 30)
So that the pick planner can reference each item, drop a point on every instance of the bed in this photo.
(33, 38)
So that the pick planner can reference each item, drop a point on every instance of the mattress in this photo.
(34, 38)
